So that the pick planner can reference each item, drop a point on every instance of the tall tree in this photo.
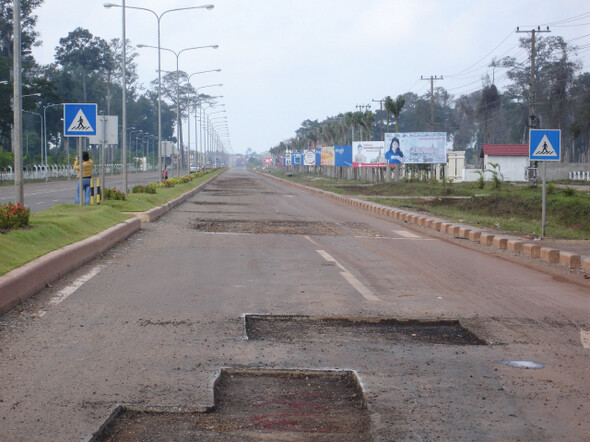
(83, 53)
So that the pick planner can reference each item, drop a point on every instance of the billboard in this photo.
(343, 156)
(318, 156)
(368, 154)
(296, 159)
(309, 158)
(268, 161)
(327, 155)
(416, 147)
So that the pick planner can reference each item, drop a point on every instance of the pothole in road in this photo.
(255, 405)
(307, 328)
(266, 226)
(216, 203)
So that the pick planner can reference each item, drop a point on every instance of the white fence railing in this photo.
(39, 172)
(579, 175)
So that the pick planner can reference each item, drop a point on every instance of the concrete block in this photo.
(486, 239)
(500, 243)
(514, 245)
(474, 235)
(463, 232)
(570, 260)
(550, 255)
(531, 250)
(586, 265)
(438, 226)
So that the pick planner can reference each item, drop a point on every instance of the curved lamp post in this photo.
(177, 55)
(158, 19)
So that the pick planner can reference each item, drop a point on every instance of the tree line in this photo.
(488, 115)
(87, 69)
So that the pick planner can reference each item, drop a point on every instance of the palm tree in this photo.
(389, 106)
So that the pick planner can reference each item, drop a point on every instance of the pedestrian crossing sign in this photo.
(545, 144)
(79, 119)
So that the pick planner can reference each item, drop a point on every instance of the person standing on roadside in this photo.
(87, 165)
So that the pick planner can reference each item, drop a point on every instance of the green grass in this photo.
(65, 224)
(52, 229)
(513, 208)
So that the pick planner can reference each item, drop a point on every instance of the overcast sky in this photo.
(285, 61)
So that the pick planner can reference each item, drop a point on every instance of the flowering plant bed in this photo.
(14, 216)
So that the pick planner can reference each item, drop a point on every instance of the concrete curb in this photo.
(568, 260)
(21, 283)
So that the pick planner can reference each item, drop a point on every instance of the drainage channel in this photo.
(254, 405)
(308, 328)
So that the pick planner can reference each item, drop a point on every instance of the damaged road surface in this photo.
(259, 311)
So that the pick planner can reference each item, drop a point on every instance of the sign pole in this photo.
(544, 203)
(81, 172)
(104, 142)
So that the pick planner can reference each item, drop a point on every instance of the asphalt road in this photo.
(153, 321)
(46, 194)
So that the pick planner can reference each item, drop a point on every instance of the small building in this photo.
(512, 159)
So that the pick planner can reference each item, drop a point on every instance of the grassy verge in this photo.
(65, 224)
(515, 209)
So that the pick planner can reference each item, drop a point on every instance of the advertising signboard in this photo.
(416, 147)
(309, 158)
(297, 159)
(268, 161)
(343, 156)
(368, 154)
(327, 155)
(318, 156)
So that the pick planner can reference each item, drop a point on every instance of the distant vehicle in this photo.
(193, 167)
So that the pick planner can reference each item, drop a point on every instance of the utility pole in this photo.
(17, 105)
(380, 116)
(361, 108)
(432, 80)
(533, 119)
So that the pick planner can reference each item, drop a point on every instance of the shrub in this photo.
(14, 216)
(568, 191)
(144, 189)
(114, 194)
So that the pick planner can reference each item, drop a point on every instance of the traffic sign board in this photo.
(545, 144)
(79, 119)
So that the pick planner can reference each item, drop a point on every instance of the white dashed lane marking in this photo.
(63, 294)
(359, 287)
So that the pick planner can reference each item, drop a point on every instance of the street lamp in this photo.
(177, 55)
(158, 19)
(188, 112)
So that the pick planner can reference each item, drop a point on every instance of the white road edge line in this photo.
(406, 234)
(367, 294)
(585, 338)
(311, 240)
(63, 294)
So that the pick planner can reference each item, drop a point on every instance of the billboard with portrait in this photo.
(368, 154)
(416, 147)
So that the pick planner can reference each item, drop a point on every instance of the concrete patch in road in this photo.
(282, 227)
(304, 328)
(253, 404)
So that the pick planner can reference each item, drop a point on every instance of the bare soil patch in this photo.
(289, 405)
(287, 227)
(305, 328)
